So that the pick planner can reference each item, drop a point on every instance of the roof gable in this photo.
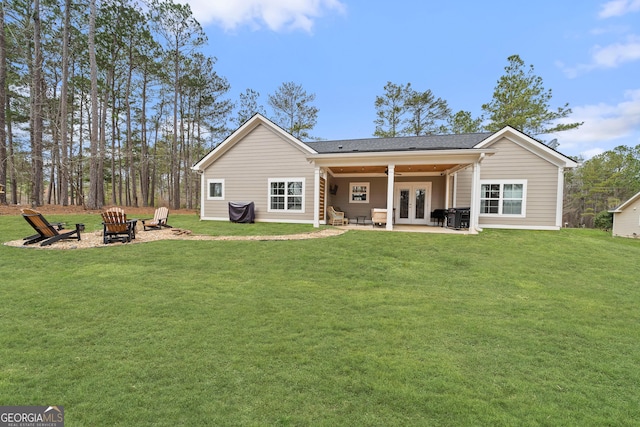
(529, 144)
(626, 204)
(239, 134)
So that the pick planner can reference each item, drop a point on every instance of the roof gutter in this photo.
(400, 157)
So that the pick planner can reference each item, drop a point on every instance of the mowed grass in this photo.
(367, 328)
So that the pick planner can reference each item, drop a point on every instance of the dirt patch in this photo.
(93, 239)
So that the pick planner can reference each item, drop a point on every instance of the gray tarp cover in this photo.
(241, 212)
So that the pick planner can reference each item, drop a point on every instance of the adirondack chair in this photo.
(47, 233)
(159, 220)
(116, 227)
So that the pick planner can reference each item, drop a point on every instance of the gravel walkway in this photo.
(93, 239)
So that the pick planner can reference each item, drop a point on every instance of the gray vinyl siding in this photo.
(247, 168)
(514, 162)
(378, 193)
(627, 222)
(463, 189)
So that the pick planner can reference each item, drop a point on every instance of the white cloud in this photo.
(604, 126)
(592, 153)
(610, 56)
(613, 55)
(619, 8)
(277, 15)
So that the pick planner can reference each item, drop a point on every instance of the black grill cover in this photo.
(241, 212)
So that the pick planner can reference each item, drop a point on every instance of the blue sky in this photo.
(344, 51)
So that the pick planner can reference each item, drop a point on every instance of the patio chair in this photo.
(47, 233)
(336, 216)
(116, 227)
(378, 216)
(159, 220)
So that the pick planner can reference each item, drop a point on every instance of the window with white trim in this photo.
(358, 192)
(286, 195)
(506, 197)
(215, 189)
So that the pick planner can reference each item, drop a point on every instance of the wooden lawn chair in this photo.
(47, 233)
(159, 220)
(116, 227)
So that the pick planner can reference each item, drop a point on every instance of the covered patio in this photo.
(431, 229)
(410, 186)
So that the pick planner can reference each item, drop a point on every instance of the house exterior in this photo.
(506, 179)
(626, 218)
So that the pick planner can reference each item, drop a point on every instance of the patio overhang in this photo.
(406, 163)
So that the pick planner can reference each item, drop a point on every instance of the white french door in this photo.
(412, 202)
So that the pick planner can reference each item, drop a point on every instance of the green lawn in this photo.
(367, 328)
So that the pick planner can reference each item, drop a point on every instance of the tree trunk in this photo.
(64, 159)
(175, 159)
(37, 179)
(144, 152)
(3, 100)
(129, 142)
(94, 201)
(11, 163)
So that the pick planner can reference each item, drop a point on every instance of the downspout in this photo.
(560, 199)
(316, 197)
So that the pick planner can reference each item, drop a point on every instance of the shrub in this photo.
(603, 220)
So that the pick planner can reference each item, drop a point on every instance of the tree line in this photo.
(519, 100)
(114, 105)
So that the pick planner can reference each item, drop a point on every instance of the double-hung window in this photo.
(503, 197)
(359, 192)
(286, 194)
(215, 189)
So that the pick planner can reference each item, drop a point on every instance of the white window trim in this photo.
(286, 183)
(502, 182)
(367, 185)
(214, 181)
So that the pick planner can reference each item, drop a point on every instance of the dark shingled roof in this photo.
(406, 143)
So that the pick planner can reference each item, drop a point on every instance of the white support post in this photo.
(475, 196)
(475, 191)
(390, 185)
(447, 190)
(316, 197)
